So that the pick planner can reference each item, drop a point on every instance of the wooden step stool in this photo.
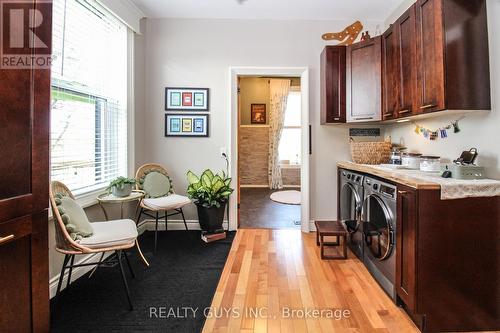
(331, 228)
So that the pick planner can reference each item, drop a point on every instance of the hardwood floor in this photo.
(275, 271)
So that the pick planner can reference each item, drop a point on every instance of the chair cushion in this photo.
(74, 217)
(156, 184)
(169, 202)
(111, 233)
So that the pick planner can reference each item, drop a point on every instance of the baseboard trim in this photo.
(254, 186)
(146, 225)
(77, 273)
(149, 225)
(267, 186)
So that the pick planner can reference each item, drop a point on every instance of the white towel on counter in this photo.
(452, 188)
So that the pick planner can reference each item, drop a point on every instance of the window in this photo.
(89, 96)
(291, 139)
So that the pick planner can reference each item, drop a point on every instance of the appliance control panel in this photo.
(385, 189)
(353, 177)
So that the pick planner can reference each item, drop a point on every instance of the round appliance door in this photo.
(350, 207)
(377, 227)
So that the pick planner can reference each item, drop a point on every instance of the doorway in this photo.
(260, 205)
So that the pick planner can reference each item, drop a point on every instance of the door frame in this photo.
(303, 73)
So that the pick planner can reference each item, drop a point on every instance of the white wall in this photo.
(198, 53)
(477, 130)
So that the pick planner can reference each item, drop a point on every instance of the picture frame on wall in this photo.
(258, 114)
(187, 125)
(186, 99)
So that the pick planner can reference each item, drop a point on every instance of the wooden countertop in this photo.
(392, 175)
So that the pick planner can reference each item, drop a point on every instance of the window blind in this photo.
(89, 95)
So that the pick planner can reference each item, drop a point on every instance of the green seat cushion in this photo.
(74, 218)
(156, 184)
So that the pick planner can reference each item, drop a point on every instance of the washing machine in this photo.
(351, 201)
(378, 216)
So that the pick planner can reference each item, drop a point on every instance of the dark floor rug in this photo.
(183, 274)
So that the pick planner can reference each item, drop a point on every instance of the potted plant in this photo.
(121, 186)
(210, 193)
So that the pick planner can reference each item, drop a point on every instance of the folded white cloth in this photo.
(172, 201)
(111, 233)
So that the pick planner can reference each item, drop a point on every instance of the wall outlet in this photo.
(223, 151)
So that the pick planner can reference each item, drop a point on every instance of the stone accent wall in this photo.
(253, 155)
(253, 158)
(291, 176)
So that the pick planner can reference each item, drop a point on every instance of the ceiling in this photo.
(377, 10)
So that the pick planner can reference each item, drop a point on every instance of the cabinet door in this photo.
(406, 231)
(24, 168)
(430, 56)
(24, 119)
(406, 53)
(390, 80)
(364, 80)
(333, 85)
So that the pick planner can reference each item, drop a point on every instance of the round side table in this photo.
(136, 195)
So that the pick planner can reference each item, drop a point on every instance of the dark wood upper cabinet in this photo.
(24, 143)
(430, 56)
(364, 81)
(390, 71)
(452, 55)
(333, 73)
(406, 59)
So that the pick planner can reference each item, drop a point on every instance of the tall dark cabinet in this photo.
(24, 170)
(452, 55)
(390, 71)
(364, 80)
(406, 53)
(399, 68)
(333, 78)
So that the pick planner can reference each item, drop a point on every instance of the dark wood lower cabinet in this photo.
(406, 245)
(447, 261)
(15, 275)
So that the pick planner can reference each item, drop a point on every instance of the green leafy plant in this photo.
(120, 182)
(209, 189)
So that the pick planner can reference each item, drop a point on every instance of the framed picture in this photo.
(186, 99)
(188, 125)
(258, 114)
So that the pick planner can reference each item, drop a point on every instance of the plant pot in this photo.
(211, 218)
(123, 191)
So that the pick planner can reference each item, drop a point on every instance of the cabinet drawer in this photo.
(14, 229)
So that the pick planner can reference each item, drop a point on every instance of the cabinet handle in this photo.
(428, 106)
(6, 238)
(404, 111)
(403, 192)
(365, 118)
(388, 114)
(336, 119)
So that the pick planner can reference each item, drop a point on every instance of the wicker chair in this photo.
(169, 202)
(69, 247)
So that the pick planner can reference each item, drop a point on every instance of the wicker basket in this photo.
(370, 152)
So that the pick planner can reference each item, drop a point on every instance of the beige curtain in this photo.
(278, 90)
